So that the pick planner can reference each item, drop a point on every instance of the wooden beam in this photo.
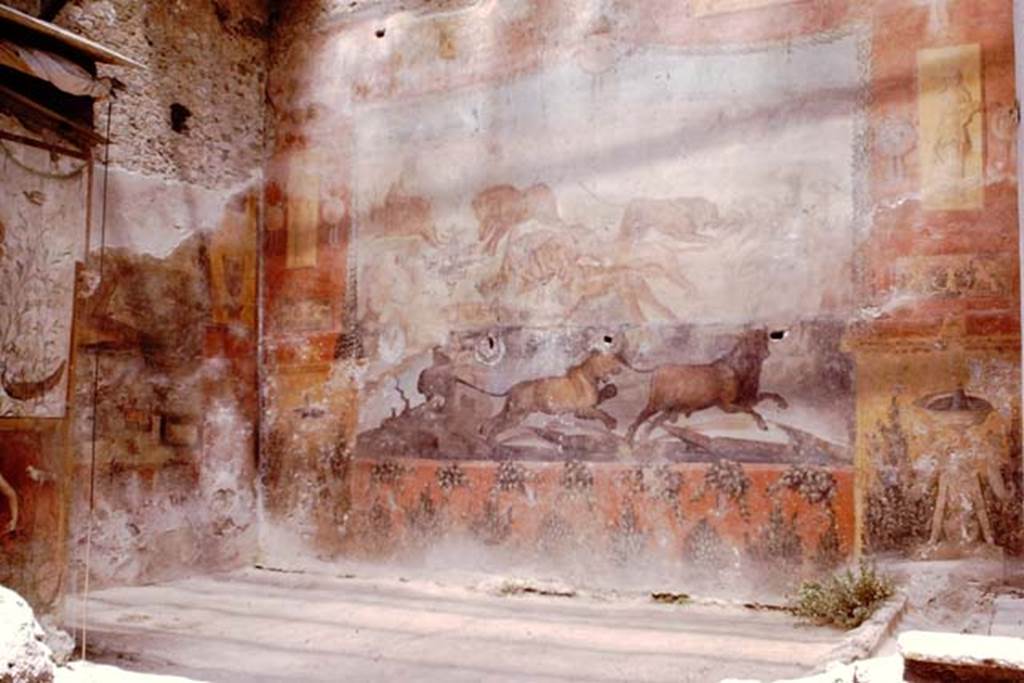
(36, 110)
(84, 46)
(41, 144)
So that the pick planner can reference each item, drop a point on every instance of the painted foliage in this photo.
(42, 236)
(42, 233)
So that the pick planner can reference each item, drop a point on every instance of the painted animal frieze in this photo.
(501, 208)
(580, 394)
(402, 215)
(577, 392)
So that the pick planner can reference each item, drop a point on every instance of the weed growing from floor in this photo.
(671, 598)
(846, 599)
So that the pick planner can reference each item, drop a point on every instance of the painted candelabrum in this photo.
(965, 451)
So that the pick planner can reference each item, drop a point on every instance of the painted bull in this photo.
(731, 383)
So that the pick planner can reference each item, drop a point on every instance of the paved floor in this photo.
(1008, 615)
(88, 672)
(256, 625)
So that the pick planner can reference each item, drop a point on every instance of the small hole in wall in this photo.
(489, 349)
(778, 335)
(379, 32)
(608, 339)
(180, 115)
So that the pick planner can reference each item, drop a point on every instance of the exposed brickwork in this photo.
(206, 56)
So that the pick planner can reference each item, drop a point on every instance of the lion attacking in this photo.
(578, 392)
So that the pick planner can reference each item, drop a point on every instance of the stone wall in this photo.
(172, 323)
(753, 245)
(205, 59)
(617, 289)
(170, 328)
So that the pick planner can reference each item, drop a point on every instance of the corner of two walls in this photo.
(172, 323)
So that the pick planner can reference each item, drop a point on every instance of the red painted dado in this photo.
(401, 506)
(30, 462)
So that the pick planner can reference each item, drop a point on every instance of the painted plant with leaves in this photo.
(37, 278)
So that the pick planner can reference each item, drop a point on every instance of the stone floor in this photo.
(257, 625)
(88, 672)
(1008, 614)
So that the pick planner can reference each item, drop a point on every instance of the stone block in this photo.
(26, 658)
(947, 657)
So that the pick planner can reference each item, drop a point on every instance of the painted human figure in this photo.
(953, 143)
(938, 16)
(12, 501)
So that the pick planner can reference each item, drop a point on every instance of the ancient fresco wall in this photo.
(172, 322)
(556, 279)
(940, 471)
(165, 321)
(42, 238)
(171, 338)
(517, 261)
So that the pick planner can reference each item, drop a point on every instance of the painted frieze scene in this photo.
(620, 306)
(717, 258)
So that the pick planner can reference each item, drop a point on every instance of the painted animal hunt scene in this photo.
(749, 394)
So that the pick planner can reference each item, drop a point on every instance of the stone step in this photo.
(951, 657)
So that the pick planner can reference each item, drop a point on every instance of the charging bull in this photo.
(731, 383)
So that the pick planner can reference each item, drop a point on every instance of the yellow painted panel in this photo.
(951, 116)
(303, 211)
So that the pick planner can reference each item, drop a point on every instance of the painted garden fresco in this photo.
(42, 233)
(42, 239)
